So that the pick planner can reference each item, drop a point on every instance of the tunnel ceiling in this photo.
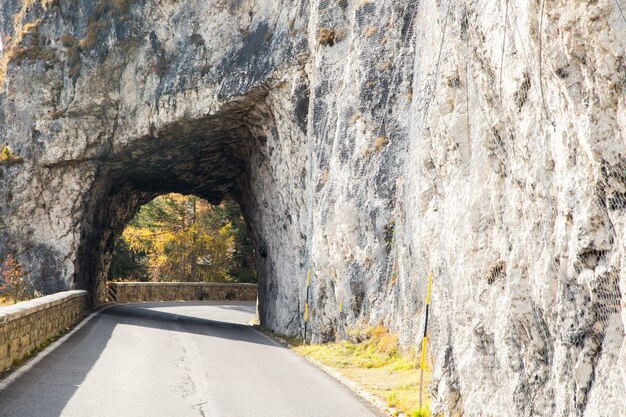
(200, 157)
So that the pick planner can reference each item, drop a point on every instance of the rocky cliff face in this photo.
(377, 142)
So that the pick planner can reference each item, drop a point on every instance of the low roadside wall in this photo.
(129, 292)
(27, 325)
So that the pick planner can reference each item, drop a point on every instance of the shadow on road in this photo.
(65, 368)
(141, 315)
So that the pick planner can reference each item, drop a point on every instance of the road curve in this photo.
(176, 359)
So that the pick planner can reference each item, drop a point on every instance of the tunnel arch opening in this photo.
(184, 238)
(212, 157)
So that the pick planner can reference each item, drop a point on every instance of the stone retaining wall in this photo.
(128, 292)
(27, 325)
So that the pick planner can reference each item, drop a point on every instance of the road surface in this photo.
(171, 360)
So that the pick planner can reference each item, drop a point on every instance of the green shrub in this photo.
(9, 158)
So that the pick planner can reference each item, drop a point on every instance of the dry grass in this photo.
(105, 11)
(3, 72)
(6, 301)
(68, 40)
(326, 37)
(373, 359)
(31, 53)
(324, 177)
(7, 157)
(26, 44)
(371, 31)
(73, 54)
(381, 142)
(93, 32)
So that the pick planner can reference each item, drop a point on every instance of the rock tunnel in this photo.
(365, 139)
(224, 154)
(134, 110)
(207, 157)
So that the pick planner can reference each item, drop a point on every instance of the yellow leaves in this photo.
(138, 239)
(7, 157)
(227, 229)
(184, 238)
(13, 280)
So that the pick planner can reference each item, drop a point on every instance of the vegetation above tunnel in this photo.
(185, 238)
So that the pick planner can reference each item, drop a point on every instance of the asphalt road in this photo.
(175, 359)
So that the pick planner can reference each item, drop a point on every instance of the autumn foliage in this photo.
(185, 238)
(13, 284)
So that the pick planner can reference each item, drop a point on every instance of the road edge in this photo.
(12, 376)
(359, 391)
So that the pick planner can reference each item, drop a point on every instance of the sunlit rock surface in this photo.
(483, 142)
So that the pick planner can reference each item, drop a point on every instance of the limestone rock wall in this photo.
(376, 142)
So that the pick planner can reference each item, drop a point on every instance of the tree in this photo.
(14, 283)
(185, 238)
(127, 264)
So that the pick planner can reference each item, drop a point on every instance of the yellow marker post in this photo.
(306, 307)
(340, 307)
(425, 338)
